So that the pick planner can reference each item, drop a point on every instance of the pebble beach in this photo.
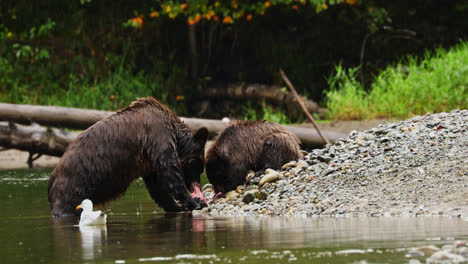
(407, 168)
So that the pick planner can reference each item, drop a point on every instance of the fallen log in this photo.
(41, 140)
(273, 93)
(77, 118)
(35, 139)
(56, 116)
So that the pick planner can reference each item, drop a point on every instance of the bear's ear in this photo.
(201, 136)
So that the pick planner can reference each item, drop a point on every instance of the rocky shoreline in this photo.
(413, 167)
(457, 252)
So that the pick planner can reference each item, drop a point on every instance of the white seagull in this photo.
(90, 217)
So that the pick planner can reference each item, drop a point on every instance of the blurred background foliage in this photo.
(103, 54)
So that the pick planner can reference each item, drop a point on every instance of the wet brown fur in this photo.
(248, 145)
(145, 140)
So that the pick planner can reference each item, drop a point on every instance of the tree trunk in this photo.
(254, 91)
(192, 36)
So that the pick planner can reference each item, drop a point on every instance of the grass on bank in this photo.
(48, 84)
(268, 113)
(436, 83)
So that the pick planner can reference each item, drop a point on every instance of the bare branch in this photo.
(299, 101)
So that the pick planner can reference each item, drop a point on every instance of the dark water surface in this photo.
(138, 232)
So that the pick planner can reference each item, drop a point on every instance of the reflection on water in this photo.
(181, 237)
(92, 240)
(137, 232)
(77, 242)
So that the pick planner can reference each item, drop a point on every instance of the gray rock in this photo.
(444, 257)
(462, 251)
(219, 206)
(208, 194)
(414, 254)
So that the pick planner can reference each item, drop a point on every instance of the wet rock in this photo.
(289, 165)
(459, 243)
(208, 194)
(232, 195)
(262, 195)
(252, 207)
(311, 162)
(384, 139)
(270, 176)
(300, 165)
(222, 201)
(240, 189)
(462, 251)
(425, 250)
(255, 179)
(248, 197)
(251, 188)
(219, 206)
(444, 257)
(324, 159)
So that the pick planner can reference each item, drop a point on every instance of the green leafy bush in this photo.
(30, 73)
(437, 83)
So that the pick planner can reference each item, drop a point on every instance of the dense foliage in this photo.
(109, 52)
(227, 11)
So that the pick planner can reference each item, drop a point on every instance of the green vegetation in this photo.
(114, 91)
(436, 83)
(104, 54)
(266, 112)
(28, 75)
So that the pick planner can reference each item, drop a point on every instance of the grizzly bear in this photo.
(248, 145)
(146, 140)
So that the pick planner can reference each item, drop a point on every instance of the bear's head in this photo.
(225, 175)
(194, 159)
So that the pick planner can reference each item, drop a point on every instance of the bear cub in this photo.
(146, 140)
(248, 145)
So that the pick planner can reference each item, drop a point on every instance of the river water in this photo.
(138, 232)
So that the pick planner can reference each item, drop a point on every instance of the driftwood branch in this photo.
(273, 93)
(35, 139)
(363, 49)
(81, 119)
(299, 101)
(32, 157)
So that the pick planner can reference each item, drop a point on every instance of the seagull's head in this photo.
(86, 205)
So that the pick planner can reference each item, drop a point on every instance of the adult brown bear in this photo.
(143, 140)
(248, 145)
